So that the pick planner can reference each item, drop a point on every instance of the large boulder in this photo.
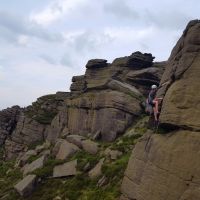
(180, 82)
(8, 121)
(93, 111)
(164, 167)
(66, 169)
(26, 186)
(90, 146)
(66, 150)
(167, 166)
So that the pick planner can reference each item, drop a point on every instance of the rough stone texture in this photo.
(96, 171)
(90, 146)
(66, 150)
(164, 167)
(96, 63)
(113, 154)
(66, 169)
(76, 139)
(167, 166)
(182, 95)
(24, 158)
(92, 112)
(136, 60)
(8, 121)
(78, 83)
(26, 186)
(36, 164)
(58, 125)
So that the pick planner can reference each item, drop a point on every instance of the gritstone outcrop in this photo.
(167, 166)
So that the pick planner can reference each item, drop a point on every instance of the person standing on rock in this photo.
(153, 101)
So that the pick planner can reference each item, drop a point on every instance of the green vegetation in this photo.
(47, 170)
(44, 109)
(125, 144)
(116, 168)
(35, 144)
(83, 158)
(33, 158)
(8, 177)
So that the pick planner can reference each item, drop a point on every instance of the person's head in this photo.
(154, 87)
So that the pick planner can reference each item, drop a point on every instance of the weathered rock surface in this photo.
(167, 166)
(181, 81)
(8, 121)
(39, 163)
(90, 146)
(66, 150)
(76, 139)
(66, 169)
(164, 167)
(26, 186)
(96, 171)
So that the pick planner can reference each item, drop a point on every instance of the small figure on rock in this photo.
(152, 103)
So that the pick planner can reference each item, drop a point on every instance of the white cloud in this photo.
(55, 10)
(23, 40)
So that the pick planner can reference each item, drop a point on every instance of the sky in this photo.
(43, 43)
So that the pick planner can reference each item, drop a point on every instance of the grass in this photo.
(47, 170)
(126, 143)
(116, 168)
(35, 144)
(9, 176)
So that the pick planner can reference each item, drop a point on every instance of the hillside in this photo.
(96, 142)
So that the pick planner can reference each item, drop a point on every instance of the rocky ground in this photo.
(94, 142)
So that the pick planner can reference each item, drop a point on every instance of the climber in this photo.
(152, 102)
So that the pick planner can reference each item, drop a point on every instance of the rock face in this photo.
(8, 121)
(164, 167)
(106, 91)
(105, 100)
(181, 93)
(167, 166)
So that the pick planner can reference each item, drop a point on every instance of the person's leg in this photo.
(155, 109)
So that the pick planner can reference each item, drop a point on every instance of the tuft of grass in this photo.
(35, 144)
(125, 143)
(83, 158)
(9, 176)
(117, 168)
(33, 158)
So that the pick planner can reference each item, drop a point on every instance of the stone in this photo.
(8, 121)
(26, 186)
(96, 171)
(180, 82)
(76, 140)
(90, 146)
(91, 112)
(36, 164)
(66, 150)
(102, 181)
(96, 63)
(22, 160)
(163, 162)
(66, 169)
(112, 154)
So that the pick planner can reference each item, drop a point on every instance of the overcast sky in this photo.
(43, 43)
